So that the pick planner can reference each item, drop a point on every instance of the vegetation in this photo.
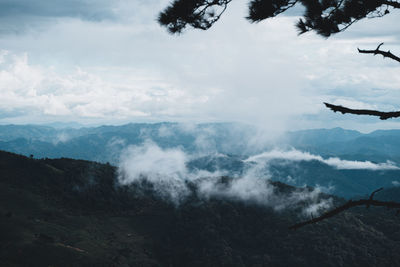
(67, 212)
(324, 17)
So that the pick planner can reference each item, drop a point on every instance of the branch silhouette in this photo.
(380, 52)
(324, 17)
(381, 114)
(350, 204)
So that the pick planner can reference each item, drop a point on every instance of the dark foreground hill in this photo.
(66, 212)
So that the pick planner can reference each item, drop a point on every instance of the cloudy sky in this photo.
(109, 62)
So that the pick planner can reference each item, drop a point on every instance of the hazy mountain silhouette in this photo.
(45, 141)
(105, 143)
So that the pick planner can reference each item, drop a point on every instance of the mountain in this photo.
(36, 132)
(64, 212)
(378, 146)
(95, 143)
(344, 183)
(230, 138)
(318, 137)
(224, 147)
(105, 143)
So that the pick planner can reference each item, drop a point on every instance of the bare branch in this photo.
(373, 194)
(350, 204)
(380, 52)
(381, 114)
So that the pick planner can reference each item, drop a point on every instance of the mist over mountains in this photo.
(104, 143)
(342, 162)
(64, 212)
(198, 195)
(227, 138)
(377, 146)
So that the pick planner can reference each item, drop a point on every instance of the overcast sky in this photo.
(109, 62)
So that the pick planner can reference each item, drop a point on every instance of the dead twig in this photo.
(350, 204)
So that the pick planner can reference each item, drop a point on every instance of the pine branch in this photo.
(381, 114)
(380, 52)
(393, 4)
(350, 204)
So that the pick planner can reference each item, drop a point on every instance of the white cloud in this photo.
(296, 155)
(165, 131)
(166, 171)
(82, 93)
(131, 69)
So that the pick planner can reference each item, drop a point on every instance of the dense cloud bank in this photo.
(109, 62)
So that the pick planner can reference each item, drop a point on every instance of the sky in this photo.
(109, 62)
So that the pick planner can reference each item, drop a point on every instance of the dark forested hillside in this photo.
(64, 212)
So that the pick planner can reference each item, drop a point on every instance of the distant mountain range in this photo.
(379, 145)
(105, 142)
(94, 143)
(225, 146)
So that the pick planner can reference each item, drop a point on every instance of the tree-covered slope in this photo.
(65, 212)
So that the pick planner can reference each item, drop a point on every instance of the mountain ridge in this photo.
(67, 212)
